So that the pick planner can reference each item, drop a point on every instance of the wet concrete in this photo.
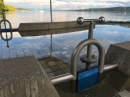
(49, 25)
(49, 32)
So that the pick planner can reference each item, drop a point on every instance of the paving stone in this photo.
(59, 62)
(65, 48)
(59, 72)
(64, 52)
(66, 70)
(63, 66)
(50, 75)
(42, 61)
(48, 70)
(45, 66)
(55, 59)
(55, 68)
(52, 63)
(48, 59)
(56, 52)
(68, 55)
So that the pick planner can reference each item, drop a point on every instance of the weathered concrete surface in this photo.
(49, 25)
(24, 77)
(118, 80)
(119, 53)
(54, 31)
(124, 93)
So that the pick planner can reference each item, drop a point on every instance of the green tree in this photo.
(2, 6)
(9, 7)
(6, 7)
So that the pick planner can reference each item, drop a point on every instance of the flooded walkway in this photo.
(113, 84)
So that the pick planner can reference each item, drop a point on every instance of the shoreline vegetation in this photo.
(8, 7)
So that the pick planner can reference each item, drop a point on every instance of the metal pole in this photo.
(89, 48)
(51, 10)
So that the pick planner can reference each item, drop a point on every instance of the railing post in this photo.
(51, 10)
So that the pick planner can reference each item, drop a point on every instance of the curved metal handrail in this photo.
(77, 50)
(73, 74)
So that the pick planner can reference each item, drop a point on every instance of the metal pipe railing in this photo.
(77, 50)
(61, 78)
(81, 20)
(73, 74)
(110, 66)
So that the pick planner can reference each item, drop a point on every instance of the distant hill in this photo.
(22, 9)
(123, 9)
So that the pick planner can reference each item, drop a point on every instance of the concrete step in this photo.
(124, 93)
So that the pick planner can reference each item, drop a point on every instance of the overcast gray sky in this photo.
(67, 4)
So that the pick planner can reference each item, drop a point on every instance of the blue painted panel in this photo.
(87, 79)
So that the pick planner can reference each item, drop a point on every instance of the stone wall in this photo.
(120, 54)
(24, 77)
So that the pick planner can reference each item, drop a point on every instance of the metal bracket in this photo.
(92, 59)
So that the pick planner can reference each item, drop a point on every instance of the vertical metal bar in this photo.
(90, 36)
(51, 10)
(89, 48)
(51, 47)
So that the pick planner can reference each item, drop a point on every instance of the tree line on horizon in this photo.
(7, 7)
(121, 9)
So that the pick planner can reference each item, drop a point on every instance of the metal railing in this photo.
(73, 74)
(5, 29)
(80, 21)
(88, 42)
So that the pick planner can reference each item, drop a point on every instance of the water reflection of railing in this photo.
(5, 30)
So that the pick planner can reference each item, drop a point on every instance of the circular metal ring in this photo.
(10, 30)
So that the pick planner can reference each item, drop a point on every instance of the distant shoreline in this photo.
(120, 23)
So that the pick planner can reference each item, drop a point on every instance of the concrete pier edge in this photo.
(49, 25)
(119, 53)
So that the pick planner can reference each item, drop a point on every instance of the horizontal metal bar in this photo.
(94, 20)
(14, 29)
(110, 66)
(61, 78)
(68, 76)
(8, 30)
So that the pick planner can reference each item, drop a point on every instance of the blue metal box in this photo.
(87, 79)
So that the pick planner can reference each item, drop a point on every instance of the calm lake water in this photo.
(62, 44)
(31, 16)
